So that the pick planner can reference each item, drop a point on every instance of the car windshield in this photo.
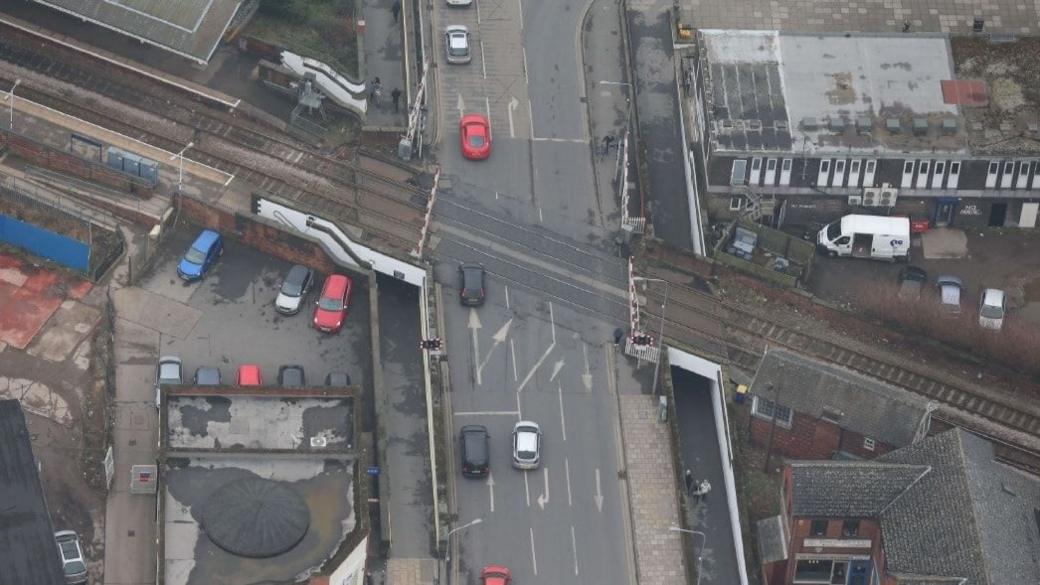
(833, 230)
(330, 304)
(293, 285)
(75, 567)
(68, 549)
(476, 140)
(195, 256)
(991, 312)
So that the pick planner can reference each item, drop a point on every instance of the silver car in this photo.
(456, 44)
(168, 371)
(950, 289)
(71, 556)
(527, 445)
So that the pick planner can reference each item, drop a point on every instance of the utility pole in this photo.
(10, 98)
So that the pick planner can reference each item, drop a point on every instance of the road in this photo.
(537, 350)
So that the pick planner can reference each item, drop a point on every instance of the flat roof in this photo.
(28, 553)
(809, 93)
(190, 28)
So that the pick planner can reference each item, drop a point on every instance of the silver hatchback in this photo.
(71, 556)
(456, 44)
(527, 445)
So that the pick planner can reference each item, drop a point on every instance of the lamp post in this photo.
(180, 168)
(473, 522)
(660, 336)
(700, 551)
(10, 97)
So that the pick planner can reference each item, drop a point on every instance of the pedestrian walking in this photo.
(373, 89)
(688, 478)
(619, 334)
(396, 96)
(396, 10)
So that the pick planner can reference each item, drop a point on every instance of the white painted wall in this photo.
(352, 570)
(326, 79)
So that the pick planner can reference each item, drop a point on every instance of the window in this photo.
(924, 168)
(813, 571)
(839, 167)
(818, 528)
(994, 166)
(825, 166)
(955, 167)
(838, 575)
(1009, 167)
(756, 164)
(787, 164)
(771, 164)
(735, 203)
(855, 166)
(868, 443)
(940, 168)
(870, 166)
(769, 410)
(850, 528)
(738, 172)
(908, 166)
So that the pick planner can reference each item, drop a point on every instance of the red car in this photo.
(331, 308)
(495, 575)
(249, 375)
(475, 136)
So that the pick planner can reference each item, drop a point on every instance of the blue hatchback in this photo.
(201, 256)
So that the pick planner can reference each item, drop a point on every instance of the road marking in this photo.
(527, 489)
(567, 472)
(563, 421)
(586, 378)
(497, 340)
(534, 557)
(496, 197)
(569, 140)
(474, 326)
(505, 286)
(615, 83)
(556, 369)
(512, 351)
(483, 63)
(599, 493)
(520, 3)
(461, 105)
(552, 322)
(574, 547)
(491, 489)
(536, 366)
(487, 107)
(540, 219)
(476, 5)
(513, 104)
(543, 499)
(519, 411)
(488, 413)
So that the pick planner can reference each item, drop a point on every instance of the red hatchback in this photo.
(331, 308)
(475, 136)
(249, 375)
(495, 575)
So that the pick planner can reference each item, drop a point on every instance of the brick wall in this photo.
(808, 438)
(852, 442)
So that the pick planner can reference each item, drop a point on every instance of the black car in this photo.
(294, 288)
(473, 441)
(207, 376)
(337, 379)
(911, 281)
(471, 285)
(291, 377)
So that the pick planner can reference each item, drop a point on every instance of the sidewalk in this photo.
(384, 59)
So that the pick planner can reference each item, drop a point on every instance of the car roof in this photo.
(203, 372)
(297, 273)
(206, 238)
(993, 296)
(336, 284)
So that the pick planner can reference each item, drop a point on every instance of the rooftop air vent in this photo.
(318, 442)
(836, 125)
(949, 126)
(781, 126)
(864, 125)
(810, 124)
(920, 126)
(893, 125)
(754, 125)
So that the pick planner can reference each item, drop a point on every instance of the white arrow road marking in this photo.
(497, 338)
(513, 104)
(574, 547)
(491, 489)
(563, 420)
(543, 499)
(474, 326)
(599, 493)
(537, 365)
(567, 472)
(461, 105)
(556, 369)
(586, 378)
(506, 287)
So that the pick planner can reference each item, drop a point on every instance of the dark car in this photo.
(471, 285)
(473, 440)
(291, 377)
(294, 289)
(911, 281)
(207, 376)
(337, 379)
(201, 256)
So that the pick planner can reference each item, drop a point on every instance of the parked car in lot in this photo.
(911, 282)
(471, 285)
(331, 308)
(201, 256)
(249, 375)
(992, 309)
(473, 441)
(291, 377)
(71, 556)
(207, 376)
(167, 371)
(475, 136)
(337, 379)
(527, 445)
(495, 575)
(456, 44)
(950, 293)
(294, 288)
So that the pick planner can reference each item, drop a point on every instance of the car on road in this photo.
(249, 375)
(456, 44)
(337, 379)
(992, 309)
(527, 445)
(473, 441)
(294, 288)
(911, 281)
(291, 377)
(331, 308)
(167, 371)
(471, 285)
(495, 575)
(71, 554)
(207, 376)
(950, 293)
(201, 256)
(475, 136)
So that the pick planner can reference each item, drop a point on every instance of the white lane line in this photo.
(574, 547)
(530, 111)
(496, 194)
(598, 498)
(563, 420)
(520, 3)
(487, 106)
(552, 322)
(474, 326)
(512, 351)
(586, 378)
(519, 412)
(540, 218)
(527, 490)
(506, 286)
(477, 6)
(537, 365)
(488, 413)
(567, 472)
(483, 63)
(568, 140)
(615, 83)
(534, 557)
(491, 489)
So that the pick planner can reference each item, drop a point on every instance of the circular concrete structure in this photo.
(255, 517)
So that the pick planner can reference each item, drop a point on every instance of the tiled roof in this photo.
(856, 489)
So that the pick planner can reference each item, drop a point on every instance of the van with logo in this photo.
(867, 236)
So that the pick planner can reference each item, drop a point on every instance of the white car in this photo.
(527, 445)
(167, 372)
(456, 44)
(71, 556)
(991, 309)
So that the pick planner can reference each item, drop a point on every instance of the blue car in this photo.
(201, 256)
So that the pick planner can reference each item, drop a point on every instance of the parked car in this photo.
(167, 371)
(249, 375)
(337, 379)
(475, 136)
(201, 256)
(527, 445)
(291, 377)
(471, 285)
(950, 292)
(473, 440)
(207, 376)
(992, 309)
(911, 281)
(331, 308)
(456, 44)
(743, 244)
(71, 556)
(294, 288)
(495, 575)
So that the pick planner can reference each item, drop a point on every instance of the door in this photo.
(997, 214)
(1027, 219)
(756, 171)
(944, 212)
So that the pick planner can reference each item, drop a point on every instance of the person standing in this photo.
(396, 10)
(396, 96)
(373, 90)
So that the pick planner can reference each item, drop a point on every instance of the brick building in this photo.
(804, 409)
(940, 511)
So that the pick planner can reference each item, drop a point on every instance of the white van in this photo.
(867, 236)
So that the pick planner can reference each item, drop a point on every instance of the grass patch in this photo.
(320, 29)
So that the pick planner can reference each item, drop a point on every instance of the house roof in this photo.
(855, 402)
(856, 489)
(28, 553)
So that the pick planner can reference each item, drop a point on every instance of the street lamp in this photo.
(180, 171)
(660, 337)
(700, 552)
(473, 522)
(10, 96)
